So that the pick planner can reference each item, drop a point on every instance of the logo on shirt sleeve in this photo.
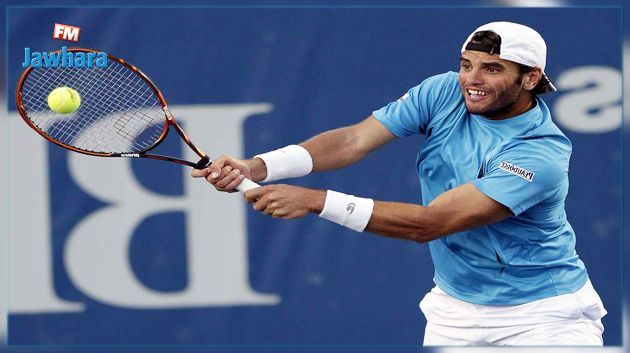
(404, 97)
(511, 168)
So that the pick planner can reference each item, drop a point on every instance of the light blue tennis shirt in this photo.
(522, 163)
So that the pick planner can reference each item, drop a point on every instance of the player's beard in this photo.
(502, 105)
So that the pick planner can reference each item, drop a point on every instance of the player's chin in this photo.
(476, 108)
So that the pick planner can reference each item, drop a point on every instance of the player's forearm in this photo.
(329, 150)
(463, 207)
(406, 221)
(334, 149)
(390, 219)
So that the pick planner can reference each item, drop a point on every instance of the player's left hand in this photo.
(286, 201)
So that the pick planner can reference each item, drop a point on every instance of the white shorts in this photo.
(565, 320)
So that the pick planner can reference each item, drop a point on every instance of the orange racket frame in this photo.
(169, 120)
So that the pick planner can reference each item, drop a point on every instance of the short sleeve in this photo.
(411, 114)
(520, 178)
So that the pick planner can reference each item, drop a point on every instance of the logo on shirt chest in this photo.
(523, 173)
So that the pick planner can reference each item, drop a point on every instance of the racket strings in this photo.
(65, 130)
(130, 125)
(119, 112)
(121, 89)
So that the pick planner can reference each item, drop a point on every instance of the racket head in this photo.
(121, 113)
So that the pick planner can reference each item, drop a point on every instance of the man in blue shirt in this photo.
(493, 172)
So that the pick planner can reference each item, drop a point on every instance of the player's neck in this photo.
(522, 105)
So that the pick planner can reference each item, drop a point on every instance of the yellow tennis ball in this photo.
(64, 100)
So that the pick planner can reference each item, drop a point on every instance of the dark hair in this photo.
(488, 39)
(492, 40)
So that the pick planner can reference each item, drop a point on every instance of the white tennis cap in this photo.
(519, 44)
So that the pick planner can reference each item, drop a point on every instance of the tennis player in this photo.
(493, 172)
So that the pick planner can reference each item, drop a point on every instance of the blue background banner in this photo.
(284, 74)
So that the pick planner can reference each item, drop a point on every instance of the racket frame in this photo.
(169, 120)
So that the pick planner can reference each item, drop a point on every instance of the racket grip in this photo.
(246, 184)
(203, 162)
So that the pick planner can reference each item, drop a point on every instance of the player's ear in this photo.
(531, 79)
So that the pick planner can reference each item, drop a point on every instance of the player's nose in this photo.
(474, 78)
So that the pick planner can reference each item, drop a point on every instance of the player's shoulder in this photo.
(437, 92)
(448, 79)
(544, 139)
(546, 156)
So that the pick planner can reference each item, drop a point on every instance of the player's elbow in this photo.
(432, 225)
(354, 145)
(425, 235)
(428, 231)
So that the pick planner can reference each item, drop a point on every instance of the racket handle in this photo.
(246, 184)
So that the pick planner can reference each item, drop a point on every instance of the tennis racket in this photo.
(122, 113)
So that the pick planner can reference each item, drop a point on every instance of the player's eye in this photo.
(465, 66)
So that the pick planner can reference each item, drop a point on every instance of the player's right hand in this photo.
(225, 173)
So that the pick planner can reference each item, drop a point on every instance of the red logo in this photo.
(66, 32)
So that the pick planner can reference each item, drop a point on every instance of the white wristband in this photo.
(288, 162)
(347, 210)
